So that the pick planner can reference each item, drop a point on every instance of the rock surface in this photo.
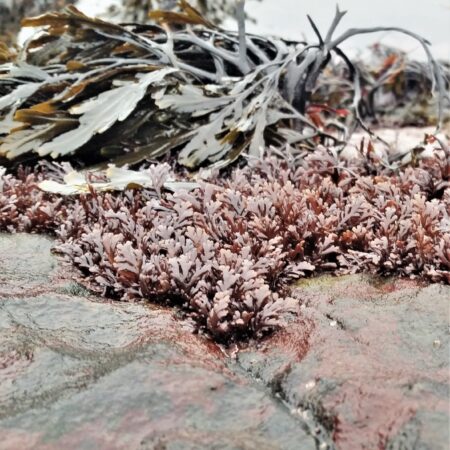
(369, 363)
(365, 366)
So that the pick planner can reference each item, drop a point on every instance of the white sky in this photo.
(287, 18)
(429, 18)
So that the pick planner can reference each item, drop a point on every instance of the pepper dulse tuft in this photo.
(228, 252)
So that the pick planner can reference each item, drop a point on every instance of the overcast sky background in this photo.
(287, 18)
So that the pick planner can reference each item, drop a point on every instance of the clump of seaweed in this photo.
(139, 10)
(228, 251)
(89, 90)
(12, 12)
(224, 247)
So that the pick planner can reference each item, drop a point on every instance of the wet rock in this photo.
(367, 363)
(365, 366)
(81, 374)
(25, 263)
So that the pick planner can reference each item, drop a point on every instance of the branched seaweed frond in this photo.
(93, 91)
(228, 250)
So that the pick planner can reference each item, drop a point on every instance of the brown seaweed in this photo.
(184, 84)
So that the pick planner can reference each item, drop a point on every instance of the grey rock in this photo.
(82, 374)
(365, 365)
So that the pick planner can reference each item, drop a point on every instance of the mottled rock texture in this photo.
(81, 374)
(370, 362)
(365, 366)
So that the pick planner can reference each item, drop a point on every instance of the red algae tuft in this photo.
(228, 252)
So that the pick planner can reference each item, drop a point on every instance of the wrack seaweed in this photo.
(91, 91)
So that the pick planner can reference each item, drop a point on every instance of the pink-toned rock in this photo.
(369, 362)
(76, 373)
(365, 366)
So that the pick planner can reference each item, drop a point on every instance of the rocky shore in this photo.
(364, 366)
